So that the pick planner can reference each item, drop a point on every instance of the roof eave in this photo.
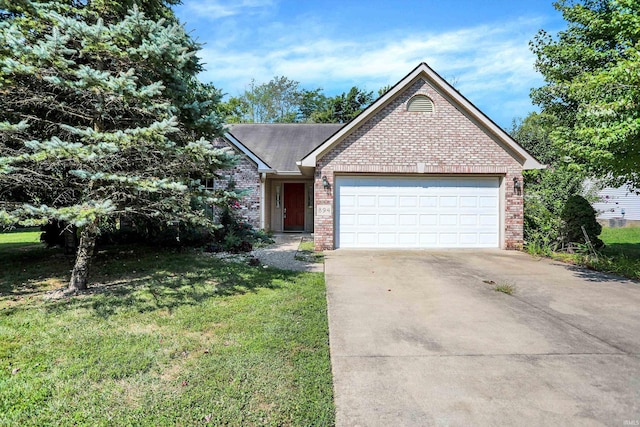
(262, 166)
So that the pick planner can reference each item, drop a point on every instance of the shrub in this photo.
(578, 213)
(235, 234)
(546, 192)
(60, 234)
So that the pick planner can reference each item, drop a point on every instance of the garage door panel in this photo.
(408, 219)
(489, 239)
(364, 201)
(428, 219)
(347, 201)
(369, 239)
(448, 202)
(448, 219)
(468, 220)
(448, 239)
(417, 212)
(408, 201)
(488, 202)
(488, 220)
(387, 201)
(347, 219)
(387, 220)
(347, 239)
(428, 201)
(428, 239)
(367, 219)
(407, 239)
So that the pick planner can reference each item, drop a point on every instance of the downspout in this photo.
(263, 178)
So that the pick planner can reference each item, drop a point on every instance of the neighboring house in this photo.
(617, 206)
(421, 167)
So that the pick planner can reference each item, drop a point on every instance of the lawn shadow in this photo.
(168, 289)
(23, 267)
(597, 276)
(629, 250)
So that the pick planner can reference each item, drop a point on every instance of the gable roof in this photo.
(451, 94)
(281, 145)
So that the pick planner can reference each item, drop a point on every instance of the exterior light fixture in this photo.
(277, 196)
(517, 187)
(325, 183)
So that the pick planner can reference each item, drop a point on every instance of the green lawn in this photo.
(622, 241)
(166, 337)
(621, 255)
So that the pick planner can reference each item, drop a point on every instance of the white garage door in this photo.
(390, 212)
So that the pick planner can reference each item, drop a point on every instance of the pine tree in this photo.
(102, 119)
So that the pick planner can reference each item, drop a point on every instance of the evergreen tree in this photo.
(102, 119)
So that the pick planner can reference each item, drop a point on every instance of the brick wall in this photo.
(396, 141)
(246, 176)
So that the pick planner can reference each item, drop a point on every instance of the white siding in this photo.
(611, 202)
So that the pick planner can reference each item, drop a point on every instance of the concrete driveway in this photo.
(418, 338)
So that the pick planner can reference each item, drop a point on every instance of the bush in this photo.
(60, 234)
(236, 235)
(578, 213)
(546, 192)
(154, 232)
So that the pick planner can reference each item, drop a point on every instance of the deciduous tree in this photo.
(344, 107)
(592, 74)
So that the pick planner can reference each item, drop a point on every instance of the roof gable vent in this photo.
(421, 104)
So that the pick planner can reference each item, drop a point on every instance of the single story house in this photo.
(421, 167)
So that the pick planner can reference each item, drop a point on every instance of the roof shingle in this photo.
(281, 145)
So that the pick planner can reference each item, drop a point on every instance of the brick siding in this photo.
(246, 176)
(396, 141)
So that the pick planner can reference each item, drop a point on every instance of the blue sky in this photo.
(481, 46)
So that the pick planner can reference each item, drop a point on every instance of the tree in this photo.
(579, 218)
(102, 119)
(547, 190)
(277, 101)
(311, 101)
(533, 133)
(281, 100)
(344, 107)
(592, 75)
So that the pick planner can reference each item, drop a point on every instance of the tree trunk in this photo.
(80, 271)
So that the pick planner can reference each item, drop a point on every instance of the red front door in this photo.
(293, 207)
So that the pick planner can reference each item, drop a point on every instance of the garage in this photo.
(417, 212)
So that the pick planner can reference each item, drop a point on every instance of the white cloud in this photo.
(217, 9)
(491, 64)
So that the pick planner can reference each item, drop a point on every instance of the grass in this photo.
(620, 256)
(622, 241)
(505, 288)
(165, 337)
(306, 252)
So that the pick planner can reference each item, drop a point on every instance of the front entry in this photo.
(293, 207)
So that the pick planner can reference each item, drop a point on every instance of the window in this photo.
(420, 103)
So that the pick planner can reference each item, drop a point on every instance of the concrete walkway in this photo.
(282, 254)
(422, 338)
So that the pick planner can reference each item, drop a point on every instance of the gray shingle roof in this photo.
(281, 145)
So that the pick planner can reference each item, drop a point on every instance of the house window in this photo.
(421, 104)
(209, 184)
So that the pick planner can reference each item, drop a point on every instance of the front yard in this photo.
(620, 256)
(166, 337)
